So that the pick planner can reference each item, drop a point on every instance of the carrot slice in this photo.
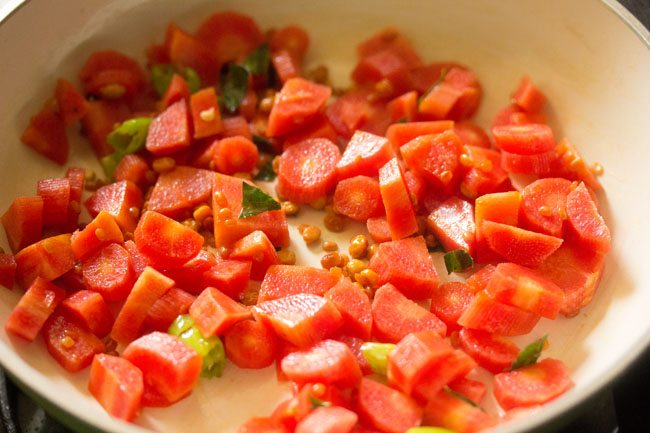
(303, 319)
(307, 170)
(109, 272)
(394, 316)
(399, 134)
(537, 163)
(148, 288)
(166, 309)
(23, 222)
(493, 352)
(108, 67)
(543, 205)
(435, 158)
(297, 103)
(90, 309)
(166, 242)
(101, 117)
(101, 231)
(358, 197)
(364, 155)
(400, 212)
(413, 357)
(235, 155)
(585, 220)
(293, 39)
(528, 96)
(527, 289)
(453, 224)
(483, 174)
(285, 280)
(354, 306)
(7, 270)
(117, 384)
(472, 134)
(206, 116)
(385, 408)
(35, 306)
(48, 258)
(170, 130)
(449, 301)
(529, 139)
(519, 246)
(46, 134)
(258, 249)
(500, 207)
(118, 199)
(328, 362)
(72, 105)
(214, 312)
(378, 229)
(133, 168)
(285, 65)
(486, 314)
(230, 35)
(178, 90)
(250, 344)
(407, 264)
(532, 385)
(403, 107)
(180, 190)
(451, 412)
(184, 50)
(73, 354)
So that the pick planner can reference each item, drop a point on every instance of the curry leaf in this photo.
(266, 172)
(263, 144)
(234, 84)
(257, 62)
(530, 354)
(255, 201)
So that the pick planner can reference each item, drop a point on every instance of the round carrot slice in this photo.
(532, 385)
(523, 247)
(585, 220)
(493, 352)
(543, 205)
(307, 170)
(250, 344)
(109, 272)
(358, 198)
(230, 35)
(293, 39)
(167, 243)
(235, 155)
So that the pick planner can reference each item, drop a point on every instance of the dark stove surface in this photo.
(623, 407)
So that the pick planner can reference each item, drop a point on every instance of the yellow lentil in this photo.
(287, 257)
(163, 165)
(334, 222)
(311, 234)
(329, 246)
(330, 260)
(290, 208)
(358, 247)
